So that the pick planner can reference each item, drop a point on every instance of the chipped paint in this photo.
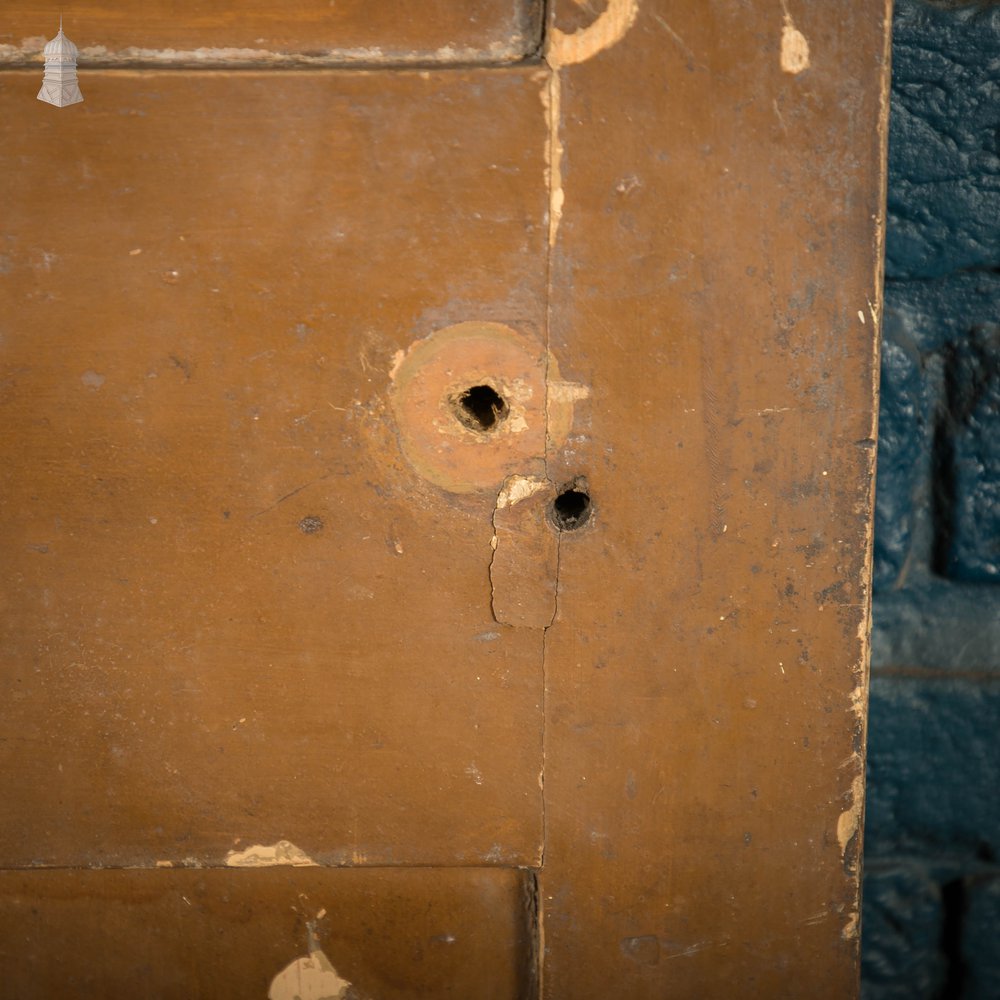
(310, 978)
(607, 29)
(850, 819)
(568, 49)
(269, 855)
(551, 101)
(517, 488)
(525, 561)
(794, 47)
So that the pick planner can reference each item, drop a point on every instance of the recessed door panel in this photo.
(236, 612)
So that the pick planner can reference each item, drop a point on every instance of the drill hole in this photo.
(480, 408)
(572, 508)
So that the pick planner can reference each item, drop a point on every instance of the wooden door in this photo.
(437, 492)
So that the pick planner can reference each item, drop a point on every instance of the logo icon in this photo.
(60, 86)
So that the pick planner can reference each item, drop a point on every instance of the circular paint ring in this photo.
(434, 376)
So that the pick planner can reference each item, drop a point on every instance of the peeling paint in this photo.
(268, 856)
(605, 30)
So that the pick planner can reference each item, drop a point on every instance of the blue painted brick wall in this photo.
(931, 921)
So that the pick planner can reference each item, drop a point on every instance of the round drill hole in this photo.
(480, 408)
(572, 508)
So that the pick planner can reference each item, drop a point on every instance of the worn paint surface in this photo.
(706, 673)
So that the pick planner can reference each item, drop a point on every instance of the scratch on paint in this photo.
(269, 855)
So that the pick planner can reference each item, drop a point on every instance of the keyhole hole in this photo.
(480, 408)
(572, 508)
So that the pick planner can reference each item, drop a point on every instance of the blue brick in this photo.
(969, 440)
(901, 933)
(981, 940)
(937, 624)
(903, 451)
(939, 448)
(933, 760)
(944, 171)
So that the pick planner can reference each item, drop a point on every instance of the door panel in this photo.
(456, 468)
(393, 934)
(239, 614)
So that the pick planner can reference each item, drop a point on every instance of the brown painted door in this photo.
(436, 499)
